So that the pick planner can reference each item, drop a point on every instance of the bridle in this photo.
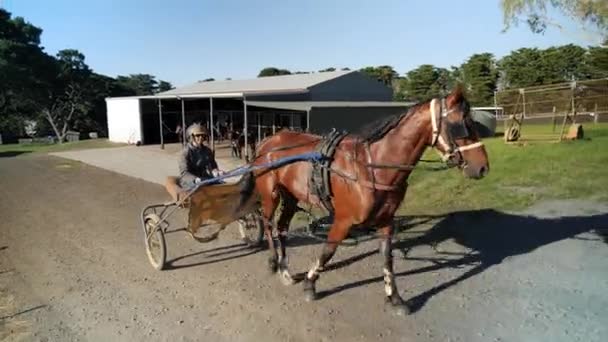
(455, 131)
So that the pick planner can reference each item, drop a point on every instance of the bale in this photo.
(575, 132)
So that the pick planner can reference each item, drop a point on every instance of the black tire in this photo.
(251, 229)
(156, 248)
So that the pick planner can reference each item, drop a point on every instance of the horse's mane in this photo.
(377, 129)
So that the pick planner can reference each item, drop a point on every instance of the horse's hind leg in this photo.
(289, 209)
(390, 287)
(339, 230)
(270, 201)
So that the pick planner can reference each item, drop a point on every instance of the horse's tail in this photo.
(247, 191)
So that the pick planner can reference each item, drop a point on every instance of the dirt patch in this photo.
(79, 272)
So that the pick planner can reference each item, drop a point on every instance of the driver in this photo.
(197, 161)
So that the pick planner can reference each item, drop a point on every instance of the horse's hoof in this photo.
(310, 294)
(286, 278)
(273, 265)
(402, 310)
(398, 307)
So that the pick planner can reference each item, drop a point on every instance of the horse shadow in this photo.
(491, 237)
(11, 154)
(212, 256)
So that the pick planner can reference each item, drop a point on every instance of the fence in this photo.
(588, 97)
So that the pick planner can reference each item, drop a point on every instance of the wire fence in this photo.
(588, 97)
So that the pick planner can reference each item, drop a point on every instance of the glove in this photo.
(217, 173)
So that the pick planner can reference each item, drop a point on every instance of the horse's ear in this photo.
(457, 95)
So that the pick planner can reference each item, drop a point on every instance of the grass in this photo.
(16, 149)
(520, 175)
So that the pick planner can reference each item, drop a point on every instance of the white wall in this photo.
(124, 120)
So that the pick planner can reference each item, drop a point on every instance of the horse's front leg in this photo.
(390, 286)
(338, 231)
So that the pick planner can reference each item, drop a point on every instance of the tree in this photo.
(384, 73)
(164, 86)
(590, 13)
(328, 69)
(563, 63)
(522, 68)
(596, 62)
(272, 71)
(141, 84)
(479, 74)
(425, 82)
(69, 94)
(22, 64)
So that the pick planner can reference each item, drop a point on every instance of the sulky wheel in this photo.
(251, 229)
(156, 247)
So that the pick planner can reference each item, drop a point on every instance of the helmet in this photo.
(196, 128)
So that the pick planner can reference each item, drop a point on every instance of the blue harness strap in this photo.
(309, 156)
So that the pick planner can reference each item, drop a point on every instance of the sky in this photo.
(183, 41)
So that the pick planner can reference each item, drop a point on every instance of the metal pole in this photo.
(211, 121)
(308, 120)
(245, 131)
(160, 123)
(274, 119)
(523, 93)
(183, 123)
(495, 105)
(259, 127)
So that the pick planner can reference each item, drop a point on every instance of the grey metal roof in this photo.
(270, 84)
(307, 105)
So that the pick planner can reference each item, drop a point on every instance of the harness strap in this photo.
(468, 147)
(438, 138)
(366, 183)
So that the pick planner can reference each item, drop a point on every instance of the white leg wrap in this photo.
(314, 271)
(388, 282)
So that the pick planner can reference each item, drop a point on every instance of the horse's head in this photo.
(455, 137)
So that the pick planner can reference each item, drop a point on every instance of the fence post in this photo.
(554, 120)
(596, 115)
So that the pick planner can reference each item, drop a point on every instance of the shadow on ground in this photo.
(490, 236)
(10, 154)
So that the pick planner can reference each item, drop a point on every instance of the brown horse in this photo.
(368, 178)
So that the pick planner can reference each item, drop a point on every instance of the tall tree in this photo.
(563, 63)
(141, 84)
(479, 74)
(590, 13)
(522, 68)
(70, 95)
(384, 73)
(596, 62)
(425, 82)
(164, 86)
(22, 64)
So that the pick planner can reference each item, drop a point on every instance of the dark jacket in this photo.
(196, 161)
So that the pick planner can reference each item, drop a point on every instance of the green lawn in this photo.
(520, 175)
(13, 149)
